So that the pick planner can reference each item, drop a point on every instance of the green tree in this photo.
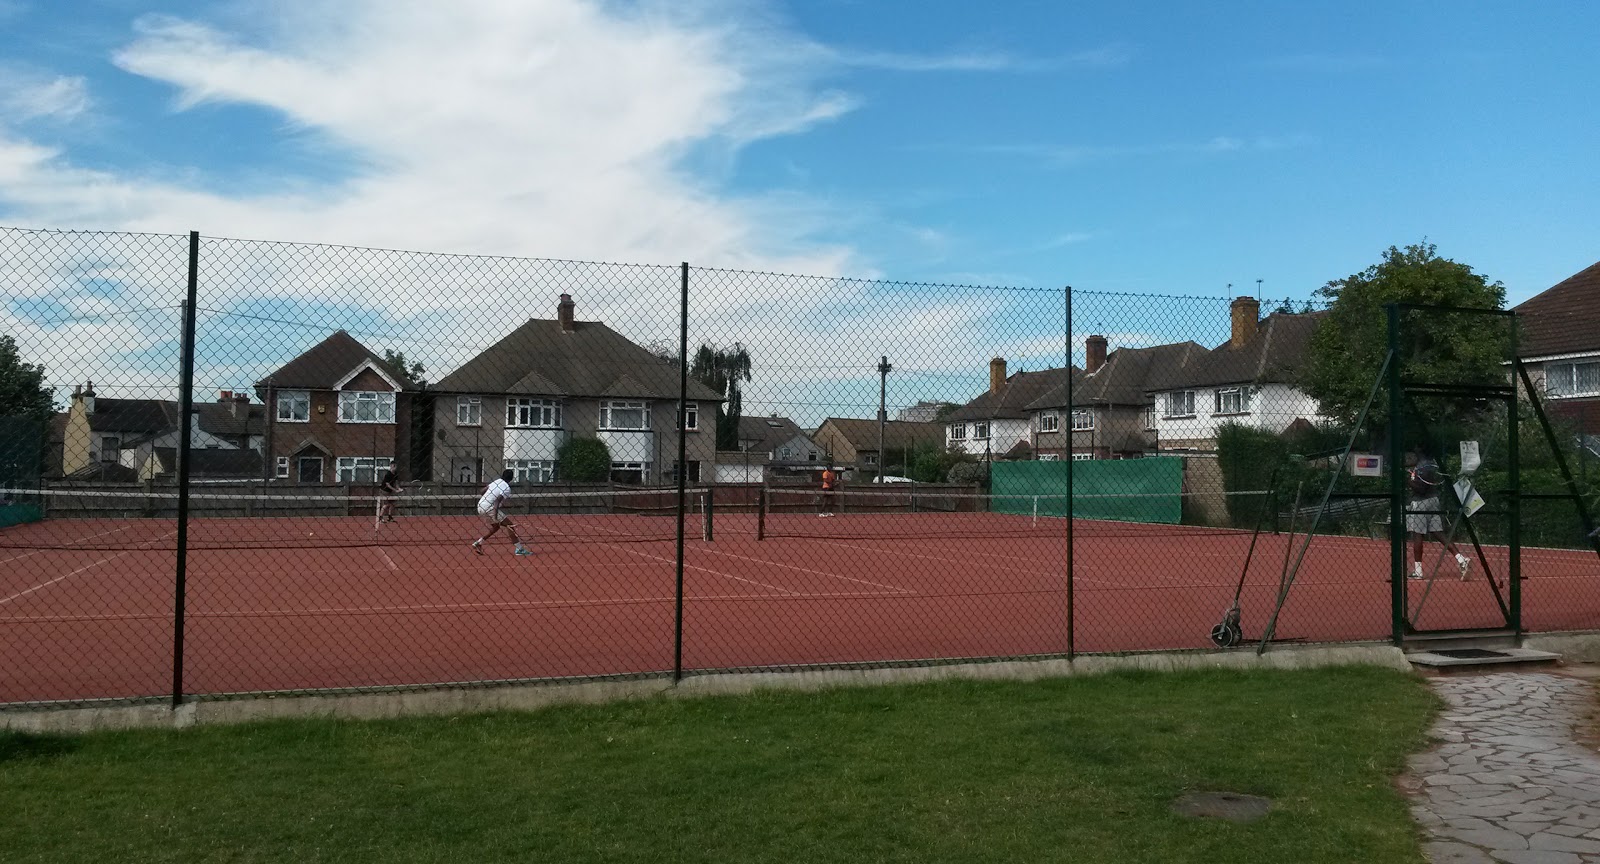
(413, 372)
(1349, 345)
(724, 370)
(584, 460)
(25, 408)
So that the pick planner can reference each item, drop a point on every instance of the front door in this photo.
(310, 469)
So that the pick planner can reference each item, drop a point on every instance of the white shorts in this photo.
(1423, 522)
(493, 518)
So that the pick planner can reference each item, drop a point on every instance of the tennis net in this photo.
(912, 513)
(123, 519)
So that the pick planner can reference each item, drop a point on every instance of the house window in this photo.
(1564, 380)
(958, 432)
(1049, 457)
(469, 410)
(1180, 403)
(1232, 400)
(366, 406)
(869, 458)
(1083, 457)
(815, 455)
(294, 406)
(1050, 422)
(361, 469)
(693, 475)
(283, 468)
(691, 418)
(624, 416)
(109, 445)
(980, 430)
(533, 413)
(310, 469)
(1150, 417)
(533, 470)
(1082, 419)
(631, 473)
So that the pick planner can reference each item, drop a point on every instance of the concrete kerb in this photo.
(527, 697)
(1573, 647)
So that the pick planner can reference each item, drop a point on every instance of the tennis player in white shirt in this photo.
(491, 507)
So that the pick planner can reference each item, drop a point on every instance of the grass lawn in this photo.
(1078, 770)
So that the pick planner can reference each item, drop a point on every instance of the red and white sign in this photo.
(1366, 465)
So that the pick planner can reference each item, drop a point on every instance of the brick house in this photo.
(336, 414)
(853, 444)
(1111, 413)
(1559, 341)
(514, 405)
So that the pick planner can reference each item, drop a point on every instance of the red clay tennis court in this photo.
(86, 605)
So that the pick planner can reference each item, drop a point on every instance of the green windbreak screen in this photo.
(1124, 490)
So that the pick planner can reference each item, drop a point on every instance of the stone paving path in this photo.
(1509, 783)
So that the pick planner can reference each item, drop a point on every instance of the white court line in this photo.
(686, 565)
(74, 540)
(812, 572)
(387, 560)
(19, 594)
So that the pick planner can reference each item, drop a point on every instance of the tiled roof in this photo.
(1124, 377)
(1274, 354)
(593, 360)
(326, 363)
(863, 434)
(770, 433)
(1011, 398)
(1562, 319)
(133, 415)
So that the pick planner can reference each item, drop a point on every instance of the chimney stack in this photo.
(1094, 353)
(564, 311)
(1246, 313)
(88, 397)
(997, 373)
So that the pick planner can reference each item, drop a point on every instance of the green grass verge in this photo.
(1077, 769)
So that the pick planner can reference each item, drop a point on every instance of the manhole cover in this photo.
(1471, 653)
(1222, 805)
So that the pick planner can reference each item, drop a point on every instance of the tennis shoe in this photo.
(477, 546)
(523, 550)
(1464, 564)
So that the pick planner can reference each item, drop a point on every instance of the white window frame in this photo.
(691, 417)
(288, 401)
(869, 458)
(1177, 398)
(1050, 422)
(1083, 419)
(611, 407)
(695, 471)
(1049, 457)
(958, 431)
(469, 410)
(642, 467)
(282, 469)
(532, 470)
(525, 413)
(347, 469)
(1241, 395)
(1149, 418)
(299, 468)
(1569, 388)
(1083, 457)
(351, 403)
(980, 430)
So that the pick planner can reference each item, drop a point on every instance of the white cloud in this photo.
(26, 94)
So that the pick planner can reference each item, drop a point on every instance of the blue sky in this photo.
(1132, 147)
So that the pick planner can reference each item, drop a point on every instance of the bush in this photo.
(969, 473)
(932, 464)
(584, 460)
(1247, 457)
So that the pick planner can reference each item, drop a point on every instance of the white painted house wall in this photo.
(1003, 435)
(1273, 407)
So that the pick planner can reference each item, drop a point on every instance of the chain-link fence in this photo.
(277, 468)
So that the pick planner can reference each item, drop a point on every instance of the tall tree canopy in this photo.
(724, 370)
(22, 389)
(399, 362)
(1436, 346)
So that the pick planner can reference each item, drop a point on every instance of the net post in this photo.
(185, 443)
(708, 514)
(761, 512)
